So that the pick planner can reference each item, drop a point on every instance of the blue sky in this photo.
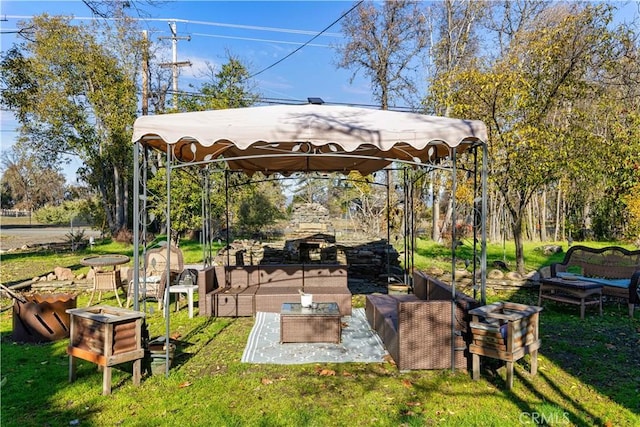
(259, 33)
(279, 28)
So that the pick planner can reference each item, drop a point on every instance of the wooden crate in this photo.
(505, 331)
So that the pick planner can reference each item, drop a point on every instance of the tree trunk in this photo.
(517, 237)
(119, 198)
(435, 207)
(543, 216)
(556, 233)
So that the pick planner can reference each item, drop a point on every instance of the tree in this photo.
(226, 88)
(312, 188)
(384, 44)
(30, 184)
(522, 95)
(257, 211)
(455, 47)
(110, 8)
(81, 103)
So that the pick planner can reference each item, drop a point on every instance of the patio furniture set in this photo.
(236, 291)
(586, 275)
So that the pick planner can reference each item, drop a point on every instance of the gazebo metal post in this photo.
(388, 250)
(483, 227)
(226, 210)
(476, 220)
(407, 226)
(205, 235)
(454, 245)
(165, 307)
(139, 218)
(136, 224)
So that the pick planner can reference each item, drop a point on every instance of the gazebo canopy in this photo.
(307, 138)
(300, 138)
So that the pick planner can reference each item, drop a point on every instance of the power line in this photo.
(253, 39)
(189, 21)
(289, 101)
(312, 39)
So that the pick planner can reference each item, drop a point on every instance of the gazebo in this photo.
(284, 139)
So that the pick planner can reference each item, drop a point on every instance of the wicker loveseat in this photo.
(615, 268)
(416, 328)
(244, 290)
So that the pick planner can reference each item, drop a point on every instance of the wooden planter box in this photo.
(106, 336)
(505, 331)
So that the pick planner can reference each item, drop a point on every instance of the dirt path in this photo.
(17, 236)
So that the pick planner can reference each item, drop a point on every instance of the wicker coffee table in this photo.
(321, 324)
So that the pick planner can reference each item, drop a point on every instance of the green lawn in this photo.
(589, 374)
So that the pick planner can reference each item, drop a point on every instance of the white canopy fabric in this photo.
(306, 138)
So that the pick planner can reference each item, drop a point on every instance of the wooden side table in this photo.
(505, 331)
(578, 292)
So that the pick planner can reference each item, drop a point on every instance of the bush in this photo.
(124, 235)
(76, 212)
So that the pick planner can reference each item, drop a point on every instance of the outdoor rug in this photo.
(359, 343)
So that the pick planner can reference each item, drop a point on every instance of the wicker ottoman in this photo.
(321, 324)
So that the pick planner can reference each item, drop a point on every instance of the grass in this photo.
(589, 374)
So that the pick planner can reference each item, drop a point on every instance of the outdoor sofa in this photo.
(236, 291)
(615, 268)
(416, 328)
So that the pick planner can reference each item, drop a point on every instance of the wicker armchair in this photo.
(153, 278)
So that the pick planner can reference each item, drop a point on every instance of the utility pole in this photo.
(175, 64)
(145, 73)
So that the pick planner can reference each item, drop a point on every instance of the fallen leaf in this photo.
(266, 381)
(387, 358)
(175, 335)
(610, 346)
(413, 404)
(327, 373)
(347, 374)
(184, 384)
(407, 383)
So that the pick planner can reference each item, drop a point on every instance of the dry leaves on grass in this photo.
(267, 381)
(324, 372)
(184, 384)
